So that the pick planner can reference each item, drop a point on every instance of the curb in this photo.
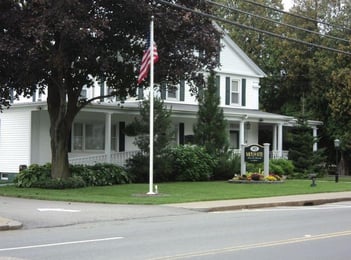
(8, 224)
(313, 202)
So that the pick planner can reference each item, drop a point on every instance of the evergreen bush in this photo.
(138, 167)
(227, 166)
(192, 163)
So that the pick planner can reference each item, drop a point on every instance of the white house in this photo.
(97, 133)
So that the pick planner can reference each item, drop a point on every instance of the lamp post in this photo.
(337, 146)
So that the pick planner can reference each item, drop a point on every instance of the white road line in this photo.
(58, 210)
(60, 244)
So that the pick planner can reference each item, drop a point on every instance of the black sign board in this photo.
(254, 153)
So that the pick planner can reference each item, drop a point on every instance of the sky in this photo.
(287, 4)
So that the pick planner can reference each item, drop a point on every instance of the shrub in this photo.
(227, 167)
(281, 167)
(101, 174)
(34, 173)
(70, 183)
(97, 175)
(138, 168)
(192, 163)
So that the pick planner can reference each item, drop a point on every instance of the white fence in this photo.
(118, 158)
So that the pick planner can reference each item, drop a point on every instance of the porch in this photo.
(120, 158)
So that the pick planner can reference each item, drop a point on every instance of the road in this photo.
(96, 231)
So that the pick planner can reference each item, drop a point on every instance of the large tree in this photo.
(61, 46)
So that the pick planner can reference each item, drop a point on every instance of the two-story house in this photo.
(97, 133)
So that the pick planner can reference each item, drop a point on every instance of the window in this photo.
(88, 136)
(78, 137)
(94, 137)
(235, 92)
(4, 176)
(234, 139)
(114, 138)
(172, 91)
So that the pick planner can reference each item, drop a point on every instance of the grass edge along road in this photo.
(177, 192)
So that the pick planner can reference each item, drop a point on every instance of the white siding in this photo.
(15, 140)
(40, 150)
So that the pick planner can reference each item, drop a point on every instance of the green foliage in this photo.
(162, 127)
(276, 166)
(211, 130)
(281, 167)
(33, 174)
(103, 174)
(96, 175)
(138, 168)
(226, 167)
(192, 163)
(69, 183)
(301, 153)
(181, 163)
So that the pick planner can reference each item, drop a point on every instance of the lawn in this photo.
(178, 192)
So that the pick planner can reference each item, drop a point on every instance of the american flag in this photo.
(145, 62)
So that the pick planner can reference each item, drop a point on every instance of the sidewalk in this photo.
(8, 224)
(238, 204)
(293, 200)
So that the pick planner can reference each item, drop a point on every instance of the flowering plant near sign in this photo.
(257, 177)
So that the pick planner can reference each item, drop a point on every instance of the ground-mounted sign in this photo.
(254, 153)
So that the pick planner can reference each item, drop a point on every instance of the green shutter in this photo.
(182, 90)
(102, 89)
(122, 138)
(140, 93)
(181, 133)
(243, 92)
(218, 87)
(227, 90)
(163, 90)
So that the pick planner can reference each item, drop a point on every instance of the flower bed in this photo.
(256, 178)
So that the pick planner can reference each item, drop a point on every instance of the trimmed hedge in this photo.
(96, 175)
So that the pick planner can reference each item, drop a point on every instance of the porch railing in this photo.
(118, 158)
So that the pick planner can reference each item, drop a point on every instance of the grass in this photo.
(178, 192)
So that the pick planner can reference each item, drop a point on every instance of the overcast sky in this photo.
(287, 4)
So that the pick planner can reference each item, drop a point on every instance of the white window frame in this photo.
(84, 137)
(172, 89)
(236, 92)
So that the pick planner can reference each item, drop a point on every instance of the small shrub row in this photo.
(96, 175)
(181, 163)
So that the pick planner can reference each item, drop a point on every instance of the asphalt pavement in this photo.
(236, 204)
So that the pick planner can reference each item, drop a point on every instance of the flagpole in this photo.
(151, 134)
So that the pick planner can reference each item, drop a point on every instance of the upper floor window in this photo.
(172, 92)
(235, 91)
(235, 94)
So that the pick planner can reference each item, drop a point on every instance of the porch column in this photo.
(274, 139)
(315, 135)
(280, 140)
(108, 137)
(242, 132)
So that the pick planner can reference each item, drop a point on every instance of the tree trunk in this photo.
(61, 115)
(59, 133)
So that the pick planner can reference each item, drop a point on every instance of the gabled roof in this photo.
(238, 51)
